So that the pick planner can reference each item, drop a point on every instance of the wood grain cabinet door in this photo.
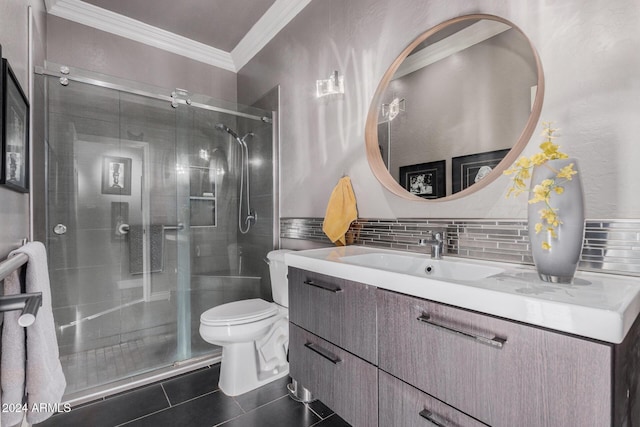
(502, 373)
(341, 311)
(342, 381)
(402, 405)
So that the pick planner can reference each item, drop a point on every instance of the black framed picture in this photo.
(14, 127)
(116, 175)
(469, 169)
(426, 180)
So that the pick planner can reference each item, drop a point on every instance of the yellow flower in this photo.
(567, 172)
(538, 159)
(541, 193)
(549, 215)
(523, 162)
(510, 171)
(548, 148)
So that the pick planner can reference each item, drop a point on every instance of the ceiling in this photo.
(223, 33)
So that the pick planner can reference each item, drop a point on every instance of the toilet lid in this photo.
(237, 312)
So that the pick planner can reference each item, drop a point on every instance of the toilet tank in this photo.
(278, 272)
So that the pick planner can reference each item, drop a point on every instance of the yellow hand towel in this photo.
(341, 212)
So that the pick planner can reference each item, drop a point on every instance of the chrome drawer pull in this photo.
(326, 287)
(324, 353)
(429, 416)
(494, 342)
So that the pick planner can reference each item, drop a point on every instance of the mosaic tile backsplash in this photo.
(610, 246)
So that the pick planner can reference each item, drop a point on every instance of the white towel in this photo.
(45, 382)
(13, 357)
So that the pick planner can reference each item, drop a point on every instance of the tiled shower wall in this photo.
(610, 246)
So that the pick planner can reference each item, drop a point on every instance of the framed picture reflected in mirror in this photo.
(426, 180)
(469, 169)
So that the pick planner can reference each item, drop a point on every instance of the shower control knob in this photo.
(60, 229)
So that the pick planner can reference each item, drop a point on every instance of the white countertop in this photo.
(598, 306)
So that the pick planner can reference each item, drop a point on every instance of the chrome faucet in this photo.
(437, 244)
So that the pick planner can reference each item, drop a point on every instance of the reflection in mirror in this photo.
(463, 94)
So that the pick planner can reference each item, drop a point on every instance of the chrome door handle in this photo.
(60, 229)
(495, 342)
(323, 352)
(429, 416)
(123, 228)
(324, 286)
(179, 226)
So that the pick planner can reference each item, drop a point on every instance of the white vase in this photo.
(559, 263)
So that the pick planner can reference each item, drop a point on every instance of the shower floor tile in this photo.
(92, 368)
(194, 399)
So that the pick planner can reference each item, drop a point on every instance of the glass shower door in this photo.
(113, 232)
(143, 213)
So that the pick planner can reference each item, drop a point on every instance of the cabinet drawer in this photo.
(500, 372)
(340, 311)
(404, 406)
(342, 381)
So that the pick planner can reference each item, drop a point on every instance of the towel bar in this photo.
(124, 228)
(10, 265)
(28, 303)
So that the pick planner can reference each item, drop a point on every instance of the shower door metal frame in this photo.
(177, 97)
(66, 74)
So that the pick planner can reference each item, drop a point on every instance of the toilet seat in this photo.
(239, 312)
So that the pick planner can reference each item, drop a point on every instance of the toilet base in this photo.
(239, 369)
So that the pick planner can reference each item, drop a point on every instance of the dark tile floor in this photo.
(194, 400)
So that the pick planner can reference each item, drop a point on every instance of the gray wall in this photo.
(589, 53)
(14, 207)
(77, 45)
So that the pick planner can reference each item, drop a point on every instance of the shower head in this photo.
(224, 128)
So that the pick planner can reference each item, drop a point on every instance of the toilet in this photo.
(253, 334)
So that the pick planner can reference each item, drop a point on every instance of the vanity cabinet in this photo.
(401, 405)
(378, 357)
(344, 382)
(503, 373)
(333, 343)
(341, 311)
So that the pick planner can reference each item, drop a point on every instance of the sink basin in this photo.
(422, 266)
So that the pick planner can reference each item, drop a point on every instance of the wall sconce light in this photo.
(333, 85)
(391, 110)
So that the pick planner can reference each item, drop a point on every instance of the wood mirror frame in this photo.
(371, 128)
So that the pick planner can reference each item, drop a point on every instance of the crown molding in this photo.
(276, 18)
(270, 24)
(463, 39)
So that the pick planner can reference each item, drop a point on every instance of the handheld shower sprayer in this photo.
(252, 216)
(224, 128)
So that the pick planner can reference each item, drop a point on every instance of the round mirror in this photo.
(455, 109)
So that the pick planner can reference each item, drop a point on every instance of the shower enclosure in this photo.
(147, 211)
